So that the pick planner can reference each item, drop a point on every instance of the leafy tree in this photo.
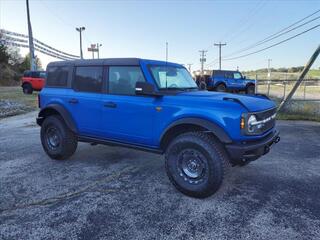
(4, 55)
(25, 64)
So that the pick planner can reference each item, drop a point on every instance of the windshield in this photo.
(169, 77)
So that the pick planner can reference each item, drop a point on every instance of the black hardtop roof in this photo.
(226, 71)
(102, 61)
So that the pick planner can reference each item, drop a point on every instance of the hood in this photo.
(252, 103)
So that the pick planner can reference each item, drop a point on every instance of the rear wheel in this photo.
(250, 89)
(58, 141)
(221, 88)
(27, 88)
(196, 164)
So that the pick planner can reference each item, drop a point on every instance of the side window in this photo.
(229, 75)
(42, 74)
(57, 76)
(122, 80)
(88, 79)
(237, 75)
(27, 74)
(35, 74)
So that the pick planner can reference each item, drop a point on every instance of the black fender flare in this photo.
(212, 127)
(65, 114)
(219, 83)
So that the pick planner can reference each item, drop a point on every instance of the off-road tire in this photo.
(250, 89)
(27, 88)
(215, 162)
(202, 85)
(66, 140)
(221, 88)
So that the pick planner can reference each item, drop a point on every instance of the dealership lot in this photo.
(116, 193)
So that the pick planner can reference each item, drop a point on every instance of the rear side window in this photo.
(27, 74)
(122, 80)
(229, 75)
(88, 79)
(57, 76)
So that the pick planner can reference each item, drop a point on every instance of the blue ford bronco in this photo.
(223, 80)
(154, 106)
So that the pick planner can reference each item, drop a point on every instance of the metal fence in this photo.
(309, 90)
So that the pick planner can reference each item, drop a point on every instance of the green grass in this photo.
(296, 116)
(18, 101)
(15, 94)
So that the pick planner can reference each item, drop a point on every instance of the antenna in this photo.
(166, 51)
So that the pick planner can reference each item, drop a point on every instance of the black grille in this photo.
(264, 115)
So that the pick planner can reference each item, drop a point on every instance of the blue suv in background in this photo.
(223, 80)
(154, 106)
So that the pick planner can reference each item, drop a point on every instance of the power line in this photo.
(273, 45)
(244, 21)
(278, 34)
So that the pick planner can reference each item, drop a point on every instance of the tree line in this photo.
(13, 64)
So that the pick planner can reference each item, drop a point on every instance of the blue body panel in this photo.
(142, 120)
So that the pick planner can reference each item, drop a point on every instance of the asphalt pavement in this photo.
(117, 193)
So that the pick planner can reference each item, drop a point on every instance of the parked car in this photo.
(222, 81)
(32, 81)
(154, 106)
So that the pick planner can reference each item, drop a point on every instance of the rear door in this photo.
(126, 116)
(84, 99)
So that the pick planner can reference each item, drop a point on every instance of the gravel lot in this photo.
(116, 193)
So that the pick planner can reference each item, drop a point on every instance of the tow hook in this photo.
(277, 139)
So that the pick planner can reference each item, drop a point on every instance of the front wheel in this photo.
(58, 141)
(196, 164)
(27, 89)
(250, 89)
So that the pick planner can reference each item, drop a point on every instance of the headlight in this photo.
(251, 123)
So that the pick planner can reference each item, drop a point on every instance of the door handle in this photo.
(73, 100)
(110, 105)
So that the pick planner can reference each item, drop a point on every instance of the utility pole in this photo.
(33, 66)
(202, 59)
(220, 45)
(189, 67)
(98, 45)
(269, 69)
(80, 29)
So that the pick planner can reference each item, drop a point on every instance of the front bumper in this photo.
(251, 150)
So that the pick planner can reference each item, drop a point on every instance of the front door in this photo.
(127, 117)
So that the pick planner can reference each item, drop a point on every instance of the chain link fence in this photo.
(309, 90)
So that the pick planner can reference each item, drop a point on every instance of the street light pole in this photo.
(80, 29)
(99, 45)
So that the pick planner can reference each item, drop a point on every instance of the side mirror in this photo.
(244, 77)
(147, 89)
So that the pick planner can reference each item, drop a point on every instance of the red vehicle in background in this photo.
(32, 81)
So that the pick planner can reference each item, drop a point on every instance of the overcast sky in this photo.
(141, 29)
